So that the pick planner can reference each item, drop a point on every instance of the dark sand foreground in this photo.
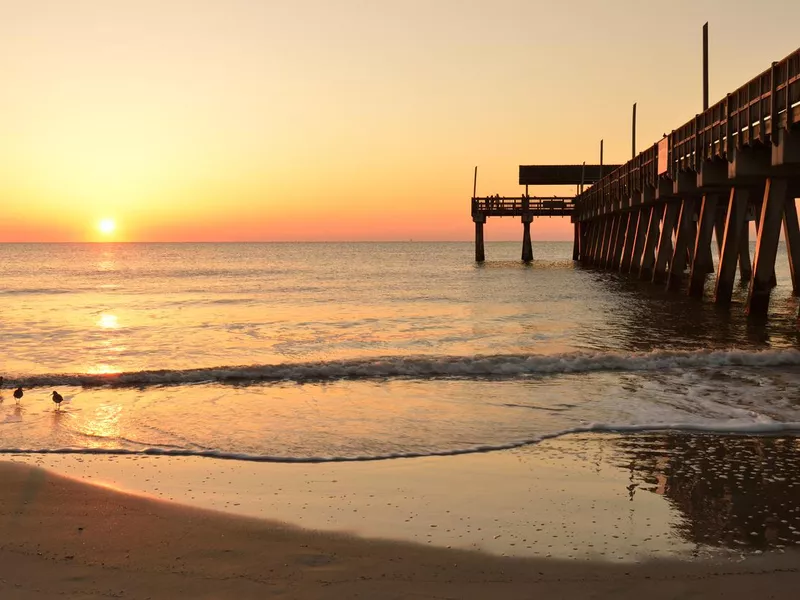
(63, 538)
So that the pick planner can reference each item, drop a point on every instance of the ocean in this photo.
(314, 352)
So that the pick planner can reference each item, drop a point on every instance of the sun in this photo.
(107, 226)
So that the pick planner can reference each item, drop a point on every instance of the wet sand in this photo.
(672, 516)
(607, 497)
(61, 537)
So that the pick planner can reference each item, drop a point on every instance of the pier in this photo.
(526, 207)
(656, 216)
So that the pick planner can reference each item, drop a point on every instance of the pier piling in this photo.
(527, 247)
(703, 262)
(682, 242)
(766, 247)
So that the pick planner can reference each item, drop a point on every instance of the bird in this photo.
(58, 399)
(18, 394)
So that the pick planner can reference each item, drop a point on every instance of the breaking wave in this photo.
(503, 366)
(731, 428)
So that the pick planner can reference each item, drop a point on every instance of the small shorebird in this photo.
(58, 399)
(18, 394)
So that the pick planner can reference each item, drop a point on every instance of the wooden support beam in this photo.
(791, 232)
(619, 243)
(594, 228)
(480, 255)
(758, 206)
(642, 222)
(664, 252)
(775, 200)
(600, 226)
(630, 238)
(611, 238)
(719, 223)
(649, 252)
(576, 243)
(601, 250)
(527, 246)
(735, 222)
(683, 240)
(745, 269)
(703, 262)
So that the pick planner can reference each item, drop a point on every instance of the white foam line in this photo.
(716, 428)
(426, 367)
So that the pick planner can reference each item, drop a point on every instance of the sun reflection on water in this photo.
(102, 369)
(104, 425)
(108, 321)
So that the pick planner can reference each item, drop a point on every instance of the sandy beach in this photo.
(60, 536)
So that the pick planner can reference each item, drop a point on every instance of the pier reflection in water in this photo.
(730, 491)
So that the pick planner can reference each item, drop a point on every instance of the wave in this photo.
(500, 366)
(32, 291)
(730, 428)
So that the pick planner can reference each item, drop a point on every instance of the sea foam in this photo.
(721, 427)
(503, 366)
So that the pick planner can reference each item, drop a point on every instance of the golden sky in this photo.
(338, 119)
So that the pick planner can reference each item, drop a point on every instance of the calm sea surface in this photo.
(364, 351)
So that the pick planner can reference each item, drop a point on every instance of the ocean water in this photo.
(313, 352)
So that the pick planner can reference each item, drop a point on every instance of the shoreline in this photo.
(606, 497)
(64, 537)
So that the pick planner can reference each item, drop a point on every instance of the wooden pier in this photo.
(527, 207)
(738, 161)
(655, 217)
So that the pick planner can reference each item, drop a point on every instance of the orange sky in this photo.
(338, 119)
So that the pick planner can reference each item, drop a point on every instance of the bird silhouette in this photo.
(58, 399)
(18, 394)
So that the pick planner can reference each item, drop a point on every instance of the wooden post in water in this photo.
(664, 252)
(735, 222)
(775, 197)
(480, 255)
(619, 242)
(641, 237)
(791, 231)
(745, 270)
(682, 241)
(703, 262)
(527, 247)
(630, 238)
(758, 206)
(576, 244)
(648, 254)
(612, 238)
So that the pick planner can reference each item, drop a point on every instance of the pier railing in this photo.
(517, 207)
(751, 114)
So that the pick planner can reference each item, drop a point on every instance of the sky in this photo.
(273, 120)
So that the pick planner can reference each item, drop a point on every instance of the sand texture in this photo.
(64, 538)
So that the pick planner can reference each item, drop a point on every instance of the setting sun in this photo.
(107, 226)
